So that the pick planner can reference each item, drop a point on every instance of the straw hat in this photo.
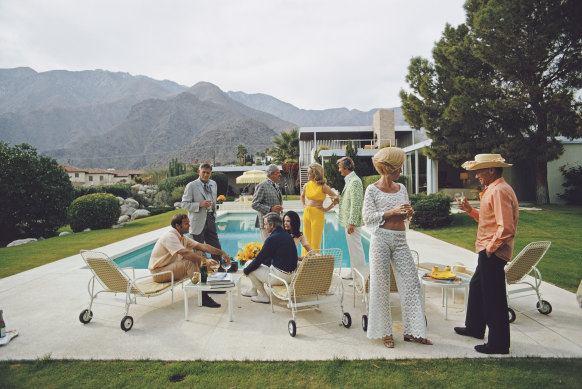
(484, 161)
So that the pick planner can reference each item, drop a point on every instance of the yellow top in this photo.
(313, 191)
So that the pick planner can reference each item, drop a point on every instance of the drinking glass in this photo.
(225, 265)
(459, 197)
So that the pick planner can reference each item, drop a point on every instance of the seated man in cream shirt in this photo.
(173, 251)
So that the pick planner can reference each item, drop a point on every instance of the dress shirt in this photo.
(166, 249)
(497, 217)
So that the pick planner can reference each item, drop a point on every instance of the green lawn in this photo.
(417, 373)
(562, 225)
(17, 259)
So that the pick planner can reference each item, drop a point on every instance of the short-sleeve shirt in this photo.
(166, 248)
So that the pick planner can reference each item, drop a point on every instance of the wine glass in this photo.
(459, 197)
(225, 265)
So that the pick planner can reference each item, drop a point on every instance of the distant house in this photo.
(92, 176)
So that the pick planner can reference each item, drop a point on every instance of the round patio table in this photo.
(461, 281)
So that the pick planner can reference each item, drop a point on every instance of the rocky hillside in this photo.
(309, 117)
(60, 109)
(201, 123)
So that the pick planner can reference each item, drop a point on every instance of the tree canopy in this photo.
(505, 81)
(35, 193)
(286, 146)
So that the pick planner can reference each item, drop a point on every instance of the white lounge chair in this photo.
(113, 279)
(520, 267)
(317, 281)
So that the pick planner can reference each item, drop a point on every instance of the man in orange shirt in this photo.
(497, 217)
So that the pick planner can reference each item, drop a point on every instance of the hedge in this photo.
(94, 211)
(368, 180)
(118, 190)
(430, 211)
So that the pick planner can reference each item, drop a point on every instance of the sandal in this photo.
(388, 341)
(410, 338)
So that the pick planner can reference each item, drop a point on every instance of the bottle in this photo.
(2, 325)
(203, 273)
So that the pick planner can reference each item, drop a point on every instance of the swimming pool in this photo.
(235, 230)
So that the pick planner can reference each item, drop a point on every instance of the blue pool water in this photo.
(235, 230)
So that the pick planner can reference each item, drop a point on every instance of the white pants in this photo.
(386, 246)
(259, 278)
(356, 250)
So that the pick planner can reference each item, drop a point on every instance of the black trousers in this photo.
(209, 235)
(487, 305)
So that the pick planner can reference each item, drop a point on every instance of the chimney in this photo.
(383, 127)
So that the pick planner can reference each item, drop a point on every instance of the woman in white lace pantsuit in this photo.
(386, 206)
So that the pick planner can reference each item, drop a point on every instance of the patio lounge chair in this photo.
(317, 281)
(361, 286)
(113, 279)
(520, 267)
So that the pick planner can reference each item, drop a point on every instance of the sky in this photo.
(314, 54)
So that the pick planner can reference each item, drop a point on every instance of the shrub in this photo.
(118, 190)
(162, 198)
(221, 182)
(170, 183)
(431, 211)
(573, 184)
(94, 211)
(159, 209)
(35, 195)
(177, 194)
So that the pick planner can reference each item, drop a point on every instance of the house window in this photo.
(100, 178)
(90, 178)
(76, 175)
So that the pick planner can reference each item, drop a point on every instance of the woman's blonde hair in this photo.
(388, 160)
(317, 171)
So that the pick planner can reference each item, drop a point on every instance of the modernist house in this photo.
(424, 174)
(91, 176)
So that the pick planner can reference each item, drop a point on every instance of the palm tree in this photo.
(286, 146)
(241, 154)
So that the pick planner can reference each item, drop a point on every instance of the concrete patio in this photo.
(43, 305)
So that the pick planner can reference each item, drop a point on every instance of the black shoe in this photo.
(207, 301)
(463, 331)
(486, 349)
(216, 291)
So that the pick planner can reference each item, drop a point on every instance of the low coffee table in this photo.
(203, 287)
(464, 280)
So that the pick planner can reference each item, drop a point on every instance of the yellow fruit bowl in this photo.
(446, 274)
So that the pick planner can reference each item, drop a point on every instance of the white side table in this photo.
(200, 287)
(445, 286)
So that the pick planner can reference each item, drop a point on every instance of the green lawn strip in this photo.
(418, 373)
(562, 225)
(17, 259)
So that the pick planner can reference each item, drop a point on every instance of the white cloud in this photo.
(314, 54)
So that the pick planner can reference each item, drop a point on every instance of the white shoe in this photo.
(260, 299)
(250, 292)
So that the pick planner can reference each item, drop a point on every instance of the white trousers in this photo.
(356, 250)
(390, 246)
(259, 278)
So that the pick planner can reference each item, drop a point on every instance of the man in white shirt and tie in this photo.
(199, 200)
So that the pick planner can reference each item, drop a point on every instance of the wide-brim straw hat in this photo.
(484, 161)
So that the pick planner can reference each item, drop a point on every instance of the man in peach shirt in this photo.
(497, 217)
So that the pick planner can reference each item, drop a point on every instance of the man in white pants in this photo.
(350, 214)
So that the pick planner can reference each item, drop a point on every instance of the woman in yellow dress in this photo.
(314, 193)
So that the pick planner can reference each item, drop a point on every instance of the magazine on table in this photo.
(218, 278)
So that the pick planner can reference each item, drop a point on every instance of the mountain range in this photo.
(104, 119)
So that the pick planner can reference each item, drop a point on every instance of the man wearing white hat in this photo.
(497, 217)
